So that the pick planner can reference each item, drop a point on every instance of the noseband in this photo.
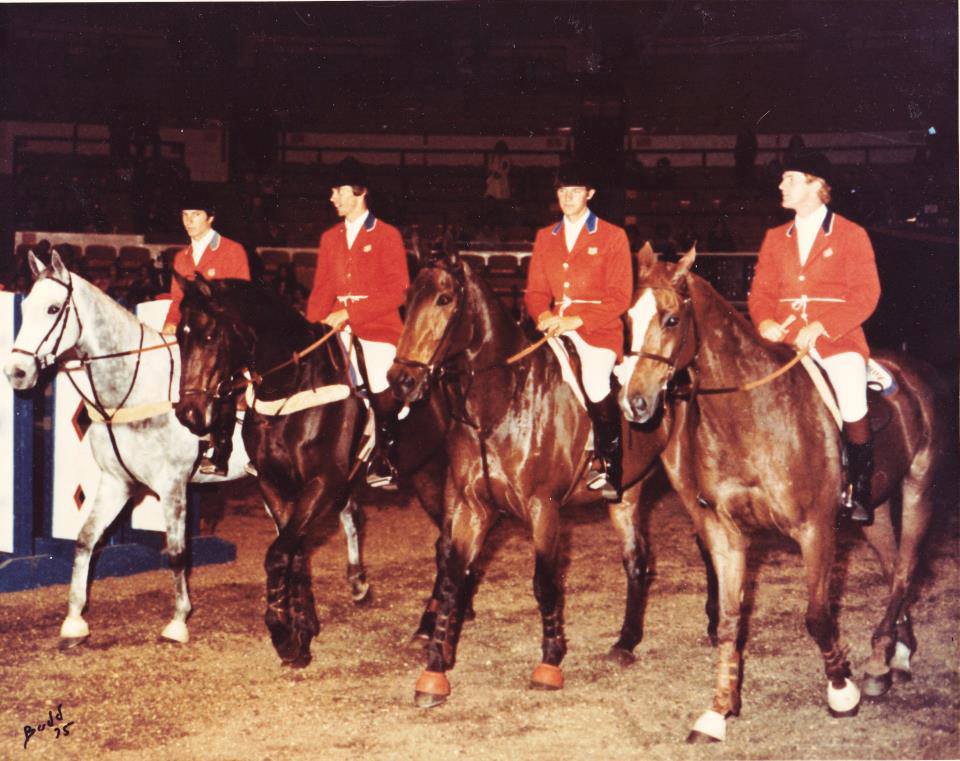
(63, 317)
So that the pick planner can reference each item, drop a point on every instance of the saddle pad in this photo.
(567, 369)
(879, 379)
(130, 414)
(302, 400)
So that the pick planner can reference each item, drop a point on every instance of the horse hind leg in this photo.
(351, 521)
(625, 517)
(277, 615)
(174, 507)
(112, 494)
(302, 609)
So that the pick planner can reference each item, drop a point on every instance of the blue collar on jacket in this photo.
(827, 226)
(591, 224)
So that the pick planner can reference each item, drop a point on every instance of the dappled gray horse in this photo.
(128, 375)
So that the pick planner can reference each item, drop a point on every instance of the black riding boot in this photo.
(859, 475)
(608, 447)
(382, 466)
(217, 457)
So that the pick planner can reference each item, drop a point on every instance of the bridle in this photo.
(668, 387)
(437, 361)
(228, 386)
(63, 317)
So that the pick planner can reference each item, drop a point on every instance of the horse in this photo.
(126, 373)
(517, 443)
(763, 452)
(305, 455)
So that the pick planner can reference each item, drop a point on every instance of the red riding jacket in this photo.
(599, 269)
(223, 258)
(838, 285)
(369, 279)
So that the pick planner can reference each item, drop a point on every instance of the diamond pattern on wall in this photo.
(81, 421)
(79, 497)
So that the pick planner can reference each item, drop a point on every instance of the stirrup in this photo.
(854, 511)
(385, 478)
(209, 468)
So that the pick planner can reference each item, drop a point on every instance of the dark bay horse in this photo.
(770, 458)
(306, 460)
(517, 444)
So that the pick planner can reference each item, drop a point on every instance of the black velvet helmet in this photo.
(348, 172)
(197, 198)
(809, 162)
(575, 174)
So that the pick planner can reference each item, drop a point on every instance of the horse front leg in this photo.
(352, 521)
(549, 593)
(460, 544)
(817, 547)
(728, 551)
(625, 517)
(112, 494)
(174, 506)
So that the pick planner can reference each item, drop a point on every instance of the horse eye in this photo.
(53, 309)
(672, 321)
(443, 299)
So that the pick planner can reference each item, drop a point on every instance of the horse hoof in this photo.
(432, 689)
(298, 661)
(876, 686)
(68, 643)
(74, 627)
(621, 656)
(845, 701)
(469, 614)
(361, 595)
(546, 677)
(175, 631)
(710, 727)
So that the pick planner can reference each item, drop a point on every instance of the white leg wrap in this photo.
(845, 699)
(711, 724)
(176, 631)
(901, 657)
(74, 627)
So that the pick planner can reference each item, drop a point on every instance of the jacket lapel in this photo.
(823, 240)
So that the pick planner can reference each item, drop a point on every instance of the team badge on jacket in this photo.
(211, 272)
(367, 249)
(828, 253)
(593, 250)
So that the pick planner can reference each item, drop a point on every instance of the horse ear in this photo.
(646, 258)
(36, 266)
(685, 264)
(57, 265)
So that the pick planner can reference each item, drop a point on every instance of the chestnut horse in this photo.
(769, 457)
(517, 444)
(306, 460)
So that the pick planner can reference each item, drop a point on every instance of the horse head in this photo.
(50, 324)
(214, 349)
(434, 329)
(663, 334)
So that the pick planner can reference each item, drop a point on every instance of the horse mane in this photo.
(255, 305)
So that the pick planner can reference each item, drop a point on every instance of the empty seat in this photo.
(133, 257)
(272, 258)
(97, 253)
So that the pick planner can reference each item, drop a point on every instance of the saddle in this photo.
(881, 388)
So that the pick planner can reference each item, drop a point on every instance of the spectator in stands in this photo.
(820, 268)
(720, 238)
(663, 175)
(497, 194)
(215, 257)
(744, 156)
(359, 285)
(285, 283)
(579, 284)
(145, 286)
(664, 243)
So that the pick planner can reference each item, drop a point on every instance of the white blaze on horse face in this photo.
(641, 313)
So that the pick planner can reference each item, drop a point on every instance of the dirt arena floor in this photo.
(224, 695)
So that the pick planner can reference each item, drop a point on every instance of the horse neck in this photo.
(494, 336)
(729, 350)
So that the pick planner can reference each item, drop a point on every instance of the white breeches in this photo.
(848, 376)
(377, 355)
(596, 366)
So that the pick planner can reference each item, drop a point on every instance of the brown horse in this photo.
(517, 444)
(770, 457)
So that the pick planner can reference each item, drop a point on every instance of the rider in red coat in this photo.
(359, 285)
(579, 285)
(216, 258)
(820, 269)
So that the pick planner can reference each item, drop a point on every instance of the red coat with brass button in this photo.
(222, 258)
(369, 279)
(598, 269)
(838, 286)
